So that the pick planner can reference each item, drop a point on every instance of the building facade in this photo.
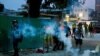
(97, 8)
(82, 13)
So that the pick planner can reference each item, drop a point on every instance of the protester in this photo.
(86, 29)
(48, 42)
(78, 36)
(73, 30)
(17, 36)
(56, 43)
(91, 29)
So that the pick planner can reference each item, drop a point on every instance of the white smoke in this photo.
(68, 43)
(66, 40)
(86, 53)
(28, 30)
(49, 30)
(49, 26)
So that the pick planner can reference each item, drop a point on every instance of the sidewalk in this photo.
(95, 37)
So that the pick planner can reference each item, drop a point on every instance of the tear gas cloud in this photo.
(49, 26)
(28, 30)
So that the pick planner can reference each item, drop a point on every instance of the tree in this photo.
(46, 4)
(34, 8)
(61, 3)
(1, 7)
(23, 10)
(58, 3)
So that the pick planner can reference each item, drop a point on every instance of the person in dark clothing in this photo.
(68, 32)
(17, 36)
(73, 30)
(78, 37)
(91, 29)
(56, 43)
(86, 29)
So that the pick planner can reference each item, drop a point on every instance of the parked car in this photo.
(97, 29)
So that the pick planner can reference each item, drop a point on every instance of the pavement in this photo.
(89, 44)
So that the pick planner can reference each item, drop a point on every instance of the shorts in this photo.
(78, 41)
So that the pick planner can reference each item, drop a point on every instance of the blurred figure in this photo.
(86, 29)
(67, 29)
(78, 36)
(17, 36)
(48, 42)
(66, 37)
(73, 30)
(56, 43)
(91, 29)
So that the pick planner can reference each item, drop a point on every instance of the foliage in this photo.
(1, 7)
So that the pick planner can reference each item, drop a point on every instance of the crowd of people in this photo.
(87, 29)
(76, 32)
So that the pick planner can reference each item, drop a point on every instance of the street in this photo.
(50, 28)
(89, 44)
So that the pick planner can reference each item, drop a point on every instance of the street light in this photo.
(67, 18)
(88, 22)
(80, 15)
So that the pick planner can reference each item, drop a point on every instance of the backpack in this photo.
(68, 31)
